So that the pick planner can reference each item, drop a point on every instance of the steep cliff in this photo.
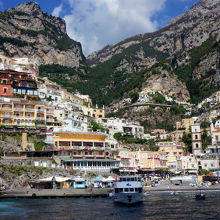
(182, 33)
(26, 31)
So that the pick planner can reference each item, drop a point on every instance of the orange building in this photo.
(171, 149)
(151, 160)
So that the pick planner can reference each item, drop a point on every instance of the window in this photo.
(4, 81)
(196, 136)
(5, 90)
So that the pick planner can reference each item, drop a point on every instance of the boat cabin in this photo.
(128, 184)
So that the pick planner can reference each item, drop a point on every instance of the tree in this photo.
(1, 151)
(96, 126)
(206, 140)
(134, 96)
(117, 136)
(187, 140)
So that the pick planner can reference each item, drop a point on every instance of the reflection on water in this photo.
(155, 206)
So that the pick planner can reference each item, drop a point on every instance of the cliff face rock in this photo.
(168, 84)
(182, 33)
(26, 31)
(208, 69)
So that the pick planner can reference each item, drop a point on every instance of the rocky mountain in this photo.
(27, 31)
(183, 33)
(176, 64)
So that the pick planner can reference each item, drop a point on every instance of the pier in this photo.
(50, 193)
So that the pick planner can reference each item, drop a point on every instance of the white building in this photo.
(49, 91)
(189, 163)
(115, 125)
(208, 164)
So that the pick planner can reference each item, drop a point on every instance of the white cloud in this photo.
(96, 23)
(57, 10)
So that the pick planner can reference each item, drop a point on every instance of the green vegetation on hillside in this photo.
(198, 89)
(103, 83)
(66, 43)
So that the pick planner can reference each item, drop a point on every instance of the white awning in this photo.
(56, 178)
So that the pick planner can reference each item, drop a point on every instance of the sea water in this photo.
(155, 206)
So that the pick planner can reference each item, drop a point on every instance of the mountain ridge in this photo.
(26, 30)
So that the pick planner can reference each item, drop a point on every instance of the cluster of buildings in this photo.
(29, 103)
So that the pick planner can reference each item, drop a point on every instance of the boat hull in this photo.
(128, 198)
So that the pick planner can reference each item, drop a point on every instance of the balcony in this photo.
(40, 110)
(64, 147)
(6, 116)
(97, 148)
(50, 120)
(40, 118)
(18, 109)
(18, 116)
(125, 158)
(100, 157)
(49, 113)
(8, 107)
(77, 156)
(89, 156)
(29, 109)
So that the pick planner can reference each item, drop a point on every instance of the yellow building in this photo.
(25, 113)
(67, 96)
(96, 112)
(185, 123)
(86, 151)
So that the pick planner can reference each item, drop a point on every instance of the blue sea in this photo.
(156, 206)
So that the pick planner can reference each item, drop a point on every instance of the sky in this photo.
(97, 23)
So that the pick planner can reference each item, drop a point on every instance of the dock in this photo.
(50, 193)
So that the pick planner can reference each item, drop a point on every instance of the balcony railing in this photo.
(77, 156)
(40, 119)
(64, 147)
(6, 107)
(6, 116)
(89, 156)
(40, 110)
(18, 109)
(29, 109)
(50, 120)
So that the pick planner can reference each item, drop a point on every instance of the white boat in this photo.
(128, 190)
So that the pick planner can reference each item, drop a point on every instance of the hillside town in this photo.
(44, 125)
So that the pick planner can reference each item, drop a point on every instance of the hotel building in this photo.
(86, 151)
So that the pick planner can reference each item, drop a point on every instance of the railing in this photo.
(18, 109)
(40, 119)
(6, 116)
(89, 156)
(6, 107)
(30, 109)
(40, 110)
(77, 156)
(64, 147)
(50, 120)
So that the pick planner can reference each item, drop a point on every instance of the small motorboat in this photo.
(199, 196)
(174, 193)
